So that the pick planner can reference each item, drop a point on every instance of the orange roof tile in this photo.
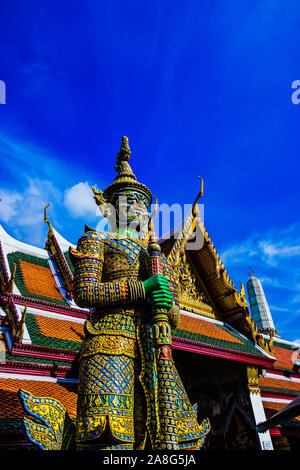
(273, 408)
(202, 327)
(279, 384)
(61, 329)
(39, 280)
(10, 405)
(284, 357)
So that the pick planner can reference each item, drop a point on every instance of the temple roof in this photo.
(64, 391)
(281, 385)
(11, 411)
(282, 414)
(212, 337)
(272, 408)
(230, 304)
(53, 332)
(284, 352)
(35, 272)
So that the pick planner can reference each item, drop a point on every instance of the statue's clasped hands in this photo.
(158, 293)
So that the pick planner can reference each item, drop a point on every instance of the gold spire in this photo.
(47, 221)
(53, 246)
(195, 210)
(19, 332)
(178, 248)
(12, 279)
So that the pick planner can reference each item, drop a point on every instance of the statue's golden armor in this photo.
(130, 395)
(112, 401)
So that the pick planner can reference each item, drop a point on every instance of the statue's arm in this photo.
(89, 291)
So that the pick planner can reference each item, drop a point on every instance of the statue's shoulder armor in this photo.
(90, 238)
(89, 246)
(93, 240)
(117, 241)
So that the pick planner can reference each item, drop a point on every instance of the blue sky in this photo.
(200, 88)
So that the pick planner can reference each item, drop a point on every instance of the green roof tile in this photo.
(35, 360)
(11, 424)
(282, 390)
(244, 346)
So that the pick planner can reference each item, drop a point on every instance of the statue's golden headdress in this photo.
(124, 183)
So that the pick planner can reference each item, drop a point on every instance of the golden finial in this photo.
(242, 293)
(98, 196)
(195, 209)
(47, 221)
(20, 330)
(271, 342)
(12, 279)
(178, 249)
(45, 214)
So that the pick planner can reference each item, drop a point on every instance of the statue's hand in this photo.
(161, 299)
(155, 283)
(157, 292)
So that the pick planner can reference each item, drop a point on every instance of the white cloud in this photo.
(271, 246)
(24, 158)
(35, 178)
(278, 309)
(274, 257)
(79, 200)
(239, 252)
(275, 282)
(25, 212)
(296, 299)
(274, 251)
(37, 195)
(9, 205)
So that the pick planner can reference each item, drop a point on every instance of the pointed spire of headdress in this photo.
(122, 166)
(125, 151)
(124, 182)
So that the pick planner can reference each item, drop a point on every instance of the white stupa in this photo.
(260, 310)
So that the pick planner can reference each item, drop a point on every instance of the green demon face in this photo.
(131, 211)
